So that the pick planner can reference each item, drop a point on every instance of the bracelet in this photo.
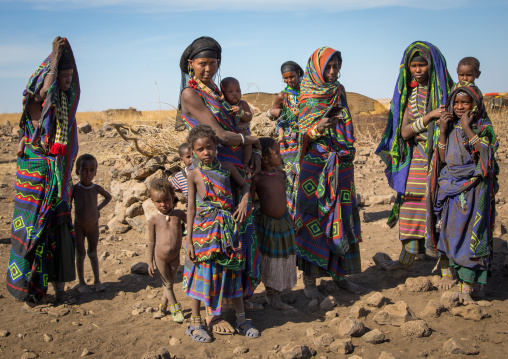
(51, 73)
(418, 125)
(53, 68)
(441, 146)
(474, 140)
(241, 113)
(256, 151)
(243, 139)
(314, 133)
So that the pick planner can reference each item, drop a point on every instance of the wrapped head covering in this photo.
(474, 92)
(65, 62)
(204, 47)
(290, 66)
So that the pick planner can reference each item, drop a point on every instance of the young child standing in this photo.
(86, 220)
(215, 258)
(468, 69)
(274, 226)
(179, 181)
(164, 244)
(233, 95)
(465, 204)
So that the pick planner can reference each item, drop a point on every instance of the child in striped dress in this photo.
(215, 258)
(274, 226)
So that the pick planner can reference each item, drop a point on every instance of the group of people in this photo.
(259, 208)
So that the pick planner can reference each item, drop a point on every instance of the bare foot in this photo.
(99, 287)
(269, 298)
(83, 289)
(219, 326)
(446, 283)
(466, 299)
(311, 292)
(278, 303)
(350, 286)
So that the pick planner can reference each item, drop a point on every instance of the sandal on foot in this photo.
(176, 313)
(65, 298)
(198, 333)
(218, 320)
(248, 330)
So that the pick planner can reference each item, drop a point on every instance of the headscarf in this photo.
(290, 66)
(393, 149)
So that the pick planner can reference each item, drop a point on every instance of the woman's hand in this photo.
(444, 122)
(190, 253)
(433, 114)
(58, 46)
(241, 212)
(327, 122)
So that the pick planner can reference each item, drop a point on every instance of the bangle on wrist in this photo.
(441, 146)
(474, 140)
(243, 139)
(314, 133)
(256, 151)
(241, 113)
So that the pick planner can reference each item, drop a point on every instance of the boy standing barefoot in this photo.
(274, 226)
(86, 220)
(164, 244)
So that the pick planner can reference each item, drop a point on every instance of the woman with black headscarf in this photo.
(202, 102)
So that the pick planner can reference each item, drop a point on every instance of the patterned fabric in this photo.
(466, 196)
(288, 121)
(179, 183)
(233, 154)
(393, 149)
(326, 216)
(42, 194)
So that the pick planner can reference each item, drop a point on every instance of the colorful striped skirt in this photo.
(413, 212)
(210, 283)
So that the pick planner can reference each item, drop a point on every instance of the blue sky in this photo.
(123, 47)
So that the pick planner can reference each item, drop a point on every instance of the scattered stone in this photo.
(134, 192)
(104, 255)
(137, 223)
(149, 209)
(58, 311)
(377, 299)
(137, 311)
(484, 303)
(324, 340)
(385, 355)
(351, 327)
(416, 328)
(470, 312)
(375, 336)
(149, 310)
(140, 305)
(240, 350)
(330, 285)
(375, 200)
(435, 280)
(141, 173)
(332, 314)
(463, 346)
(130, 254)
(86, 352)
(174, 341)
(80, 311)
(433, 309)
(140, 268)
(328, 303)
(342, 346)
(76, 324)
(134, 210)
(359, 311)
(47, 337)
(381, 258)
(450, 299)
(115, 227)
(394, 314)
(84, 127)
(296, 352)
(116, 189)
(29, 355)
(355, 357)
(419, 284)
(311, 332)
(162, 353)
(4, 333)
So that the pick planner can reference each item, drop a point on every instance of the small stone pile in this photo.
(131, 176)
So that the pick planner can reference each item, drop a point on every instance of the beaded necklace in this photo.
(271, 174)
(82, 186)
(167, 214)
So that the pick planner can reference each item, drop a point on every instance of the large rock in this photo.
(359, 311)
(149, 209)
(140, 268)
(380, 259)
(296, 352)
(84, 127)
(394, 314)
(351, 327)
(116, 227)
(416, 328)
(136, 209)
(433, 309)
(470, 312)
(463, 346)
(342, 346)
(138, 223)
(120, 212)
(158, 174)
(450, 299)
(328, 303)
(140, 173)
(126, 172)
(375, 336)
(377, 299)
(116, 189)
(134, 192)
(419, 284)
(156, 163)
(324, 340)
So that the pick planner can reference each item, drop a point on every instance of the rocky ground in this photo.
(402, 315)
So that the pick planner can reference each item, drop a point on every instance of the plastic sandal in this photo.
(202, 336)
(249, 331)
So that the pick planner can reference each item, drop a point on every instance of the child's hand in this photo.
(444, 121)
(241, 212)
(150, 269)
(235, 109)
(190, 253)
(466, 119)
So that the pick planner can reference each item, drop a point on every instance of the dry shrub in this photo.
(369, 128)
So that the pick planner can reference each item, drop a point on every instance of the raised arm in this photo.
(56, 53)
